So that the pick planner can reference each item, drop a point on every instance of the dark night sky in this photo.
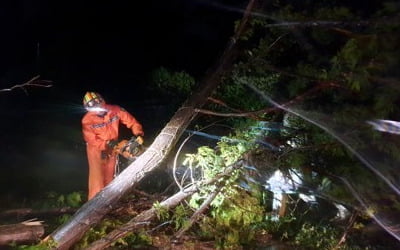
(90, 45)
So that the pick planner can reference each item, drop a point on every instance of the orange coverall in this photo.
(97, 132)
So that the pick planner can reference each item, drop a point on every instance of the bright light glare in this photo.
(388, 126)
(96, 109)
(279, 183)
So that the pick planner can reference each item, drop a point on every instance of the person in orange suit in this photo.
(100, 127)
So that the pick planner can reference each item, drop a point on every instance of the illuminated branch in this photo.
(256, 114)
(222, 103)
(243, 114)
(314, 23)
(283, 72)
(34, 82)
(238, 112)
(318, 23)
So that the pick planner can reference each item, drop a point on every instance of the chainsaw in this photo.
(129, 149)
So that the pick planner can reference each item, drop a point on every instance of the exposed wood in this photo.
(21, 233)
(144, 218)
(284, 203)
(95, 209)
(140, 221)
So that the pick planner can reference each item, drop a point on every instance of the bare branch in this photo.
(311, 23)
(200, 211)
(346, 232)
(34, 82)
(256, 114)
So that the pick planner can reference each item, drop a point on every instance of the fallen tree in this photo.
(27, 232)
(144, 218)
(22, 213)
(95, 209)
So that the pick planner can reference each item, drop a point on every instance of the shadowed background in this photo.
(109, 47)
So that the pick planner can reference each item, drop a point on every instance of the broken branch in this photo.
(34, 82)
(256, 114)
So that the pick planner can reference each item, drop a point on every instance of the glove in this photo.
(139, 140)
(112, 143)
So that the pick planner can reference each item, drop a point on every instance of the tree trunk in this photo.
(141, 220)
(95, 209)
(20, 233)
(145, 217)
(283, 206)
(21, 213)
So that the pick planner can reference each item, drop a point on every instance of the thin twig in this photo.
(256, 114)
(198, 212)
(346, 231)
(34, 82)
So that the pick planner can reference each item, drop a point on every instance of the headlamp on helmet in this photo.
(93, 101)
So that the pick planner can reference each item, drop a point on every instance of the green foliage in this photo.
(97, 232)
(53, 199)
(297, 159)
(233, 218)
(63, 219)
(350, 62)
(49, 244)
(283, 228)
(389, 8)
(235, 210)
(205, 159)
(71, 200)
(169, 83)
(356, 70)
(237, 95)
(106, 226)
(302, 234)
(336, 13)
(161, 211)
(317, 237)
(180, 217)
(133, 240)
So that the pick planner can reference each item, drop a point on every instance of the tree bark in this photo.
(95, 209)
(140, 220)
(20, 233)
(283, 206)
(147, 216)
(21, 213)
